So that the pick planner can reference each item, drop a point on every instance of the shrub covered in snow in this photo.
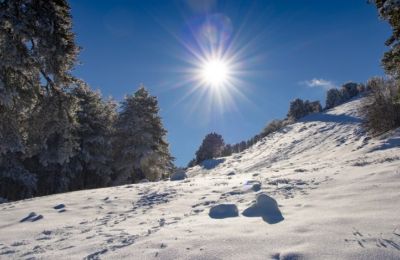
(299, 108)
(389, 10)
(273, 126)
(382, 106)
(335, 97)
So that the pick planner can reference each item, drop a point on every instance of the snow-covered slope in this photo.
(337, 193)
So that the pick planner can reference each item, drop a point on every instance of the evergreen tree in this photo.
(191, 163)
(141, 150)
(242, 146)
(296, 109)
(96, 127)
(227, 150)
(390, 10)
(333, 98)
(36, 45)
(351, 88)
(211, 147)
(299, 108)
(53, 142)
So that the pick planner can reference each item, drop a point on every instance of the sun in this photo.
(215, 73)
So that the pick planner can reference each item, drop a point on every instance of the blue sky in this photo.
(283, 49)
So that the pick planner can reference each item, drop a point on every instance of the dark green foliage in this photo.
(55, 132)
(382, 107)
(140, 148)
(351, 89)
(96, 120)
(37, 53)
(211, 147)
(299, 108)
(335, 97)
(390, 11)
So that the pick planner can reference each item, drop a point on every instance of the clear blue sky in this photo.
(285, 49)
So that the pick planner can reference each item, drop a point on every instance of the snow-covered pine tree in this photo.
(211, 147)
(140, 148)
(53, 141)
(389, 10)
(37, 46)
(96, 126)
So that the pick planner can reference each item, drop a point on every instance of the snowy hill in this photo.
(337, 194)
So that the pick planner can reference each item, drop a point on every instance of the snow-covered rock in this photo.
(224, 211)
(265, 207)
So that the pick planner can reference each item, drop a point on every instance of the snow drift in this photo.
(317, 189)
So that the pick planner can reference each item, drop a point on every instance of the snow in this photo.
(336, 190)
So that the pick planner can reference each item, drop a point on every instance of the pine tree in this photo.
(191, 163)
(390, 10)
(296, 109)
(227, 150)
(53, 141)
(351, 88)
(36, 45)
(141, 150)
(211, 147)
(333, 98)
(96, 127)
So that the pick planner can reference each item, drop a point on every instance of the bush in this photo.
(333, 98)
(350, 90)
(273, 127)
(299, 108)
(382, 107)
(313, 107)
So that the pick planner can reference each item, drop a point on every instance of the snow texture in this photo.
(326, 191)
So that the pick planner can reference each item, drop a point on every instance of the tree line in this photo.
(380, 108)
(56, 133)
(213, 144)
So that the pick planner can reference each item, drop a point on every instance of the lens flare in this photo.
(215, 72)
(213, 69)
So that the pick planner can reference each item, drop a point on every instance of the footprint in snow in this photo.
(60, 208)
(32, 217)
